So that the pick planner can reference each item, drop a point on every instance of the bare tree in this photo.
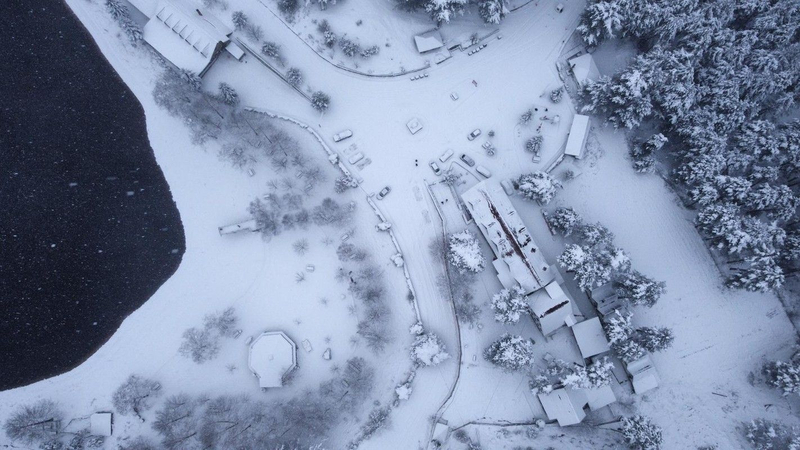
(34, 423)
(135, 394)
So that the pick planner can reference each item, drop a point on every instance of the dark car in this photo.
(467, 160)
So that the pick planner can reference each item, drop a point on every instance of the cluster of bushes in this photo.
(714, 84)
(202, 344)
(537, 186)
(367, 284)
(559, 373)
(241, 23)
(284, 212)
(349, 48)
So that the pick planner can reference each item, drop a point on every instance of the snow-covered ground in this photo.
(721, 335)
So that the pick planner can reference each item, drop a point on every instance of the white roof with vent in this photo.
(189, 38)
(518, 258)
(578, 133)
(272, 356)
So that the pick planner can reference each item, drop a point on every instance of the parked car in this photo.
(446, 155)
(356, 158)
(475, 133)
(483, 171)
(342, 135)
(467, 160)
(384, 192)
(454, 96)
(435, 168)
(507, 186)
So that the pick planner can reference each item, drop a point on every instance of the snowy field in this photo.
(721, 335)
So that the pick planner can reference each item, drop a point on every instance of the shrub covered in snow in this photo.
(199, 345)
(287, 7)
(428, 350)
(32, 424)
(534, 144)
(272, 50)
(538, 186)
(641, 433)
(349, 48)
(404, 391)
(119, 12)
(320, 101)
(135, 395)
(526, 117)
(784, 375)
(509, 305)
(294, 76)
(556, 95)
(222, 322)
(343, 183)
(464, 252)
(510, 352)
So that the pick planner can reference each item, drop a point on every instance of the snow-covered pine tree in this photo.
(526, 117)
(509, 305)
(464, 252)
(654, 339)
(492, 11)
(343, 183)
(272, 50)
(641, 433)
(600, 21)
(595, 375)
(442, 11)
(564, 220)
(228, 95)
(194, 81)
(428, 350)
(510, 352)
(762, 274)
(595, 235)
(557, 94)
(639, 289)
(538, 186)
(239, 20)
(320, 101)
(784, 375)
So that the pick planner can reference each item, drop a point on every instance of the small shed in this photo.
(578, 134)
(428, 41)
(644, 375)
(551, 308)
(584, 69)
(100, 424)
(564, 406)
(248, 225)
(272, 356)
(590, 337)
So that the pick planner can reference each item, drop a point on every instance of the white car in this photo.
(446, 155)
(454, 96)
(483, 171)
(384, 192)
(342, 135)
(475, 133)
(435, 168)
(356, 158)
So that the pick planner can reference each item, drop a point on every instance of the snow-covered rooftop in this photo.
(508, 237)
(428, 41)
(189, 39)
(584, 68)
(577, 136)
(552, 308)
(272, 355)
(564, 406)
(590, 337)
(644, 374)
(100, 424)
(600, 397)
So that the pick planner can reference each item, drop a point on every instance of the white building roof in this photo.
(428, 41)
(100, 424)
(564, 406)
(577, 136)
(584, 68)
(248, 225)
(189, 38)
(600, 397)
(644, 374)
(590, 337)
(272, 355)
(551, 308)
(518, 258)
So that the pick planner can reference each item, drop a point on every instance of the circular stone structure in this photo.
(272, 356)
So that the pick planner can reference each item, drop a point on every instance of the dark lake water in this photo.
(88, 227)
